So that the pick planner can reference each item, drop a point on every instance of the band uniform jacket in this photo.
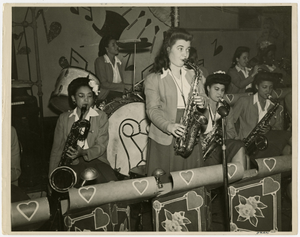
(161, 103)
(97, 138)
(246, 111)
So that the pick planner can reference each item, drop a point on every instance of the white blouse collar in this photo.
(92, 113)
(107, 60)
(168, 71)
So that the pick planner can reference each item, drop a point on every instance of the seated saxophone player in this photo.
(168, 91)
(211, 137)
(259, 114)
(91, 152)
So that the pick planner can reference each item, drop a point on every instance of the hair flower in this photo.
(95, 86)
(219, 72)
(264, 44)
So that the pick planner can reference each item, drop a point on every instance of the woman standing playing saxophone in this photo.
(167, 93)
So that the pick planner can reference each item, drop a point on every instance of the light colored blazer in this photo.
(246, 112)
(161, 103)
(97, 138)
(104, 73)
(238, 81)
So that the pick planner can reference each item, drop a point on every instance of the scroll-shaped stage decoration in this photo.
(29, 213)
(274, 165)
(118, 191)
(189, 179)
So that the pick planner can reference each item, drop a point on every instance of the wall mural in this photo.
(62, 45)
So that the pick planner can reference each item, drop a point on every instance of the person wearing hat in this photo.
(216, 86)
(241, 74)
(267, 62)
(248, 112)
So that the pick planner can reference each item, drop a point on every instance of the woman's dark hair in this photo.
(75, 85)
(193, 52)
(262, 53)
(217, 78)
(237, 54)
(104, 44)
(162, 60)
(266, 76)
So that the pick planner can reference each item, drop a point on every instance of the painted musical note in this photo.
(218, 49)
(63, 62)
(73, 57)
(75, 10)
(142, 13)
(89, 9)
(154, 38)
(55, 27)
(126, 11)
(148, 22)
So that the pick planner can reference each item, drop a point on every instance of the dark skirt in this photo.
(164, 157)
(106, 173)
(216, 157)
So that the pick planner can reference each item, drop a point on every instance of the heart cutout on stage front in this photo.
(187, 176)
(140, 186)
(232, 169)
(29, 209)
(269, 163)
(101, 218)
(87, 193)
(193, 200)
(270, 186)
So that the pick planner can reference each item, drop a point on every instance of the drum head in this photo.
(128, 137)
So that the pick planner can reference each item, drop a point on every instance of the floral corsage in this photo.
(95, 86)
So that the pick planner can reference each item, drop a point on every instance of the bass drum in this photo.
(59, 97)
(128, 134)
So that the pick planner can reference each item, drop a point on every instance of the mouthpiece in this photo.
(83, 110)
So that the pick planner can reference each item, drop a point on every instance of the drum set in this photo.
(128, 123)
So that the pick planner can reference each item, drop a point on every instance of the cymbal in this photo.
(129, 44)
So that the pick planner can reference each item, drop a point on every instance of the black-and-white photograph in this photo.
(150, 118)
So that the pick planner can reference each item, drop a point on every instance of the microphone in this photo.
(223, 108)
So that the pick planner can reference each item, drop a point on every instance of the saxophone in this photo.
(256, 141)
(211, 140)
(214, 138)
(192, 119)
(63, 177)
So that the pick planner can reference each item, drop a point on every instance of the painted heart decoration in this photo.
(87, 193)
(187, 176)
(269, 186)
(101, 218)
(232, 169)
(230, 97)
(68, 221)
(270, 163)
(28, 209)
(193, 200)
(140, 186)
